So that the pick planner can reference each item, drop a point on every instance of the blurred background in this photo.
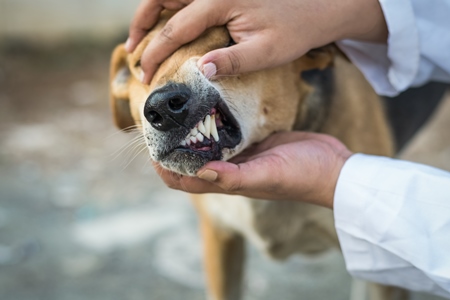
(82, 213)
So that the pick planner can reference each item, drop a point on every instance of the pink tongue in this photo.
(203, 149)
(202, 146)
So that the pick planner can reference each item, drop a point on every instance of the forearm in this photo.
(362, 20)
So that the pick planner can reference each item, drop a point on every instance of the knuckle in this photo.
(167, 34)
(233, 185)
(234, 62)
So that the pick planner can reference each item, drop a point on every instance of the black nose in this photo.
(168, 107)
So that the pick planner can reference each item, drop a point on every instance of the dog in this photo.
(188, 120)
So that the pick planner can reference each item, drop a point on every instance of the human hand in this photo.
(297, 166)
(267, 33)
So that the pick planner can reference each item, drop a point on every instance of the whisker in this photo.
(127, 129)
(133, 158)
(145, 164)
(135, 126)
(177, 178)
(130, 149)
(136, 140)
(183, 185)
(224, 76)
(159, 170)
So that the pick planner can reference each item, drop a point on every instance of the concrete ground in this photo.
(83, 215)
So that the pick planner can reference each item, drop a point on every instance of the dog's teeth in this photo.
(188, 142)
(208, 126)
(214, 132)
(199, 137)
(201, 127)
(194, 131)
(193, 139)
(218, 120)
(183, 143)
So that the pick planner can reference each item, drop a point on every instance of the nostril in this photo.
(154, 118)
(177, 103)
(167, 107)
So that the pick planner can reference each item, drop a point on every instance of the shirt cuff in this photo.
(389, 68)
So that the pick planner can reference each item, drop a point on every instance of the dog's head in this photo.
(189, 120)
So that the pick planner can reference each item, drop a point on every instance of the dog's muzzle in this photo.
(193, 124)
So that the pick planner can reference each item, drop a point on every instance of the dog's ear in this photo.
(317, 80)
(119, 88)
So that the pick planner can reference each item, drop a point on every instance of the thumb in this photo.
(244, 57)
(244, 178)
(226, 176)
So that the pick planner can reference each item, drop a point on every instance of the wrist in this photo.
(328, 189)
(364, 21)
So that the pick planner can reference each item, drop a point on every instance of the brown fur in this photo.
(265, 102)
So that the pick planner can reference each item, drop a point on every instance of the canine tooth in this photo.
(208, 126)
(193, 139)
(201, 127)
(215, 135)
(183, 143)
(199, 137)
(214, 132)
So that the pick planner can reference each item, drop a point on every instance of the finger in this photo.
(189, 184)
(186, 183)
(255, 178)
(185, 26)
(282, 138)
(146, 16)
(247, 56)
(274, 140)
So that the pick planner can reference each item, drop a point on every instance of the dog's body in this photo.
(246, 109)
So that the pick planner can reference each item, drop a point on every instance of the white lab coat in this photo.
(393, 217)
(393, 222)
(418, 47)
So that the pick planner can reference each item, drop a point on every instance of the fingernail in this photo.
(209, 70)
(208, 175)
(128, 45)
(142, 76)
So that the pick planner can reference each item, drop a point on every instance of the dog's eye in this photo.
(231, 42)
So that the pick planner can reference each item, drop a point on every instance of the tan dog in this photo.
(188, 120)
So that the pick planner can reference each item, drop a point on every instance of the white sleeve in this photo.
(393, 222)
(418, 48)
